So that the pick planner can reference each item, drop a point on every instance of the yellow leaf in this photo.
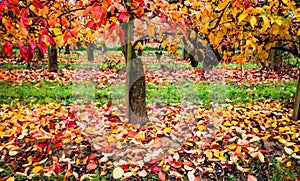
(217, 153)
(296, 149)
(227, 123)
(298, 33)
(253, 21)
(164, 44)
(242, 16)
(255, 130)
(118, 173)
(111, 139)
(184, 10)
(11, 179)
(167, 130)
(222, 5)
(266, 24)
(289, 163)
(230, 147)
(243, 169)
(209, 155)
(234, 123)
(201, 127)
(278, 21)
(261, 157)
(114, 19)
(285, 1)
(36, 169)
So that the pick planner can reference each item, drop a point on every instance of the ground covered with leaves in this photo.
(236, 140)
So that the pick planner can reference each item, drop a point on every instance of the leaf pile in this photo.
(76, 140)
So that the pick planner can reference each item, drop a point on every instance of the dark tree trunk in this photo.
(90, 52)
(136, 111)
(67, 50)
(52, 58)
(296, 113)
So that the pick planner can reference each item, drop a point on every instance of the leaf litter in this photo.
(78, 140)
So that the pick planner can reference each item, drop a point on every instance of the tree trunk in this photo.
(52, 58)
(67, 50)
(90, 52)
(136, 111)
(103, 47)
(296, 113)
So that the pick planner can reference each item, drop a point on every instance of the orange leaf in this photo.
(91, 166)
(161, 176)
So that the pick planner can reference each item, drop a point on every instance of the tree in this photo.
(240, 30)
(60, 22)
(31, 24)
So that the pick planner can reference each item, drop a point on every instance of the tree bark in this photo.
(296, 113)
(52, 58)
(90, 52)
(67, 50)
(136, 111)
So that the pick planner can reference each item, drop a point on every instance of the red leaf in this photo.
(92, 156)
(98, 11)
(57, 145)
(125, 167)
(24, 16)
(37, 4)
(91, 166)
(50, 39)
(63, 21)
(23, 51)
(15, 10)
(90, 24)
(155, 168)
(43, 49)
(67, 36)
(74, 32)
(87, 11)
(43, 31)
(43, 22)
(238, 3)
(7, 49)
(246, 4)
(123, 16)
(161, 176)
(31, 45)
(58, 168)
(53, 21)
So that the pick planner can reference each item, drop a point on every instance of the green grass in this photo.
(166, 93)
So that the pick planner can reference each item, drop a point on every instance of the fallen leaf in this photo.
(118, 173)
(161, 176)
(251, 178)
(37, 169)
(91, 166)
